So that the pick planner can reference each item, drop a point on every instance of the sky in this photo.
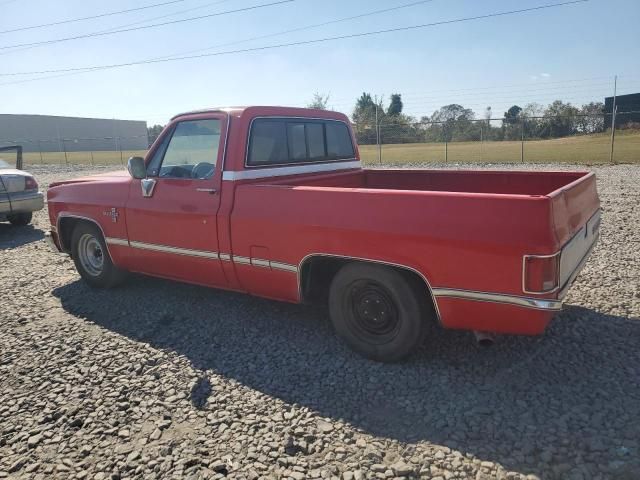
(570, 52)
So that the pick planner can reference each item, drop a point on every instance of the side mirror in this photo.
(137, 168)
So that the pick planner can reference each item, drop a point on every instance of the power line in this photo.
(138, 22)
(306, 27)
(303, 42)
(500, 87)
(494, 96)
(80, 19)
(299, 29)
(172, 22)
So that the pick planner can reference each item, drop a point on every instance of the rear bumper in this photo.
(22, 203)
(490, 316)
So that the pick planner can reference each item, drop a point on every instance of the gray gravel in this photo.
(162, 380)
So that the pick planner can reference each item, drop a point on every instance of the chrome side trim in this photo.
(294, 170)
(535, 303)
(123, 242)
(241, 260)
(259, 262)
(370, 260)
(284, 266)
(175, 250)
(225, 257)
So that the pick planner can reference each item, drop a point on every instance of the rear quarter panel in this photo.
(467, 241)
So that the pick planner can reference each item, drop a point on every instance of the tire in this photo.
(377, 311)
(20, 219)
(92, 259)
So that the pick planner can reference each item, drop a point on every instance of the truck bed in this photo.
(461, 181)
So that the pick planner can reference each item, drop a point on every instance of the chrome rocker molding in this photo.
(117, 241)
(535, 303)
(178, 251)
(225, 257)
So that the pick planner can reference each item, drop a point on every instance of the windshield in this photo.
(4, 164)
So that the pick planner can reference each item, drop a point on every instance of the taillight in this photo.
(30, 183)
(541, 273)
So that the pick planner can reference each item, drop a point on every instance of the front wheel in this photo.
(92, 259)
(20, 219)
(377, 311)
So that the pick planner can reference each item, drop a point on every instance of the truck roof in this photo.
(269, 110)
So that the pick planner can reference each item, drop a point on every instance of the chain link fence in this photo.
(79, 151)
(579, 139)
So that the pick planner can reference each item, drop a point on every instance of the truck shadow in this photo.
(526, 403)
(13, 237)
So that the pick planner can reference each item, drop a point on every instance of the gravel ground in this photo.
(164, 380)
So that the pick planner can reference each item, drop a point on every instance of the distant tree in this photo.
(153, 133)
(395, 106)
(319, 101)
(452, 113)
(365, 109)
(593, 119)
(532, 124)
(512, 116)
(487, 115)
(364, 118)
(454, 123)
(560, 120)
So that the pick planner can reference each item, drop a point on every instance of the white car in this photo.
(19, 195)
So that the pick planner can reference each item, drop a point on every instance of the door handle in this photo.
(207, 190)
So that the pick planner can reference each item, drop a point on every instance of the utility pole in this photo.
(378, 143)
(522, 140)
(481, 123)
(614, 110)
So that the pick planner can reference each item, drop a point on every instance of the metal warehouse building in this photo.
(627, 107)
(47, 133)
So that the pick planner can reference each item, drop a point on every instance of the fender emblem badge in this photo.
(113, 213)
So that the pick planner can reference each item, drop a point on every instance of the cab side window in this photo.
(190, 151)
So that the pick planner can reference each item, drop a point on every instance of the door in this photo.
(171, 215)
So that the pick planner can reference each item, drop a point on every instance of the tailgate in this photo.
(575, 253)
(573, 205)
(576, 218)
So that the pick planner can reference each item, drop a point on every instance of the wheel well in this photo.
(67, 225)
(317, 272)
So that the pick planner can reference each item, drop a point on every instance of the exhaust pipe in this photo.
(484, 339)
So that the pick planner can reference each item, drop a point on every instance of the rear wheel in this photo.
(377, 311)
(20, 219)
(92, 259)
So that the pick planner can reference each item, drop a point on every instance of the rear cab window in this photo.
(286, 141)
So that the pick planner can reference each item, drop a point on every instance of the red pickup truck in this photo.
(274, 202)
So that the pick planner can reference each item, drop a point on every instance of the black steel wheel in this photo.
(378, 311)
